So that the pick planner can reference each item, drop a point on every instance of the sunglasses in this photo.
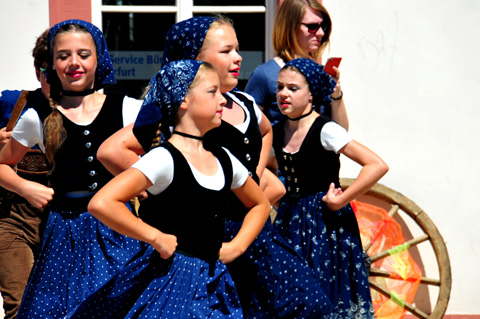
(312, 27)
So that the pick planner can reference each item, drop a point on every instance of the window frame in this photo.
(185, 9)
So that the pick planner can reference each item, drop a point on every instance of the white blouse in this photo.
(29, 128)
(157, 166)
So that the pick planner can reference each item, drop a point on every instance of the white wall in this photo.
(412, 87)
(22, 21)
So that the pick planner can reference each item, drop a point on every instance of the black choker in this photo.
(188, 135)
(301, 116)
(78, 93)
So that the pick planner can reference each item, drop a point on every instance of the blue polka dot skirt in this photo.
(330, 242)
(151, 287)
(273, 281)
(78, 255)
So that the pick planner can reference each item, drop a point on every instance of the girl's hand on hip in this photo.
(332, 198)
(228, 253)
(166, 245)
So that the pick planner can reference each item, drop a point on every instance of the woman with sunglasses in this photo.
(301, 30)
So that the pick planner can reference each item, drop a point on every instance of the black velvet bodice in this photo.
(312, 168)
(76, 165)
(196, 215)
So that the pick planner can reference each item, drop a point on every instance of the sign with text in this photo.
(143, 65)
(136, 65)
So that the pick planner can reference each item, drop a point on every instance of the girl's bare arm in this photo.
(108, 205)
(373, 169)
(259, 209)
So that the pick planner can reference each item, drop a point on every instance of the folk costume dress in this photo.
(328, 240)
(271, 279)
(78, 253)
(192, 283)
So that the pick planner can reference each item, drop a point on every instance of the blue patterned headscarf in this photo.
(185, 39)
(104, 74)
(168, 89)
(183, 42)
(320, 83)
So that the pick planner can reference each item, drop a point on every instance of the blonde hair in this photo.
(288, 20)
(202, 70)
(220, 21)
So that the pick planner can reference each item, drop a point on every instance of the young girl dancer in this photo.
(271, 279)
(78, 253)
(194, 283)
(315, 216)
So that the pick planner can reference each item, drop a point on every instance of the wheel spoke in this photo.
(367, 246)
(387, 274)
(393, 210)
(410, 243)
(401, 303)
(396, 202)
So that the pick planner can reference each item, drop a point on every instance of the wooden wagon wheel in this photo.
(398, 201)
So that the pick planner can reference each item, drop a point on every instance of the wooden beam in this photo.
(61, 10)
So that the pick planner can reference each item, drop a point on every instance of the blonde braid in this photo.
(54, 133)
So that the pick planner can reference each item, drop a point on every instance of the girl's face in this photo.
(293, 94)
(222, 52)
(204, 100)
(75, 60)
(308, 36)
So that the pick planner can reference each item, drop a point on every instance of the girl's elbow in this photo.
(267, 207)
(94, 206)
(383, 168)
(91, 207)
(104, 153)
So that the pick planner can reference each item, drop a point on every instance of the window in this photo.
(135, 31)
